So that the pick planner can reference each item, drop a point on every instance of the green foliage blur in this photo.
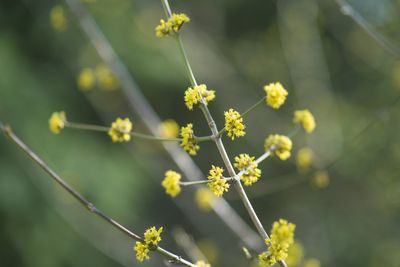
(328, 63)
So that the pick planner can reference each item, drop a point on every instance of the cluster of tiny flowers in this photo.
(204, 198)
(244, 162)
(217, 183)
(312, 263)
(282, 237)
(57, 122)
(295, 254)
(152, 237)
(57, 18)
(280, 144)
(304, 159)
(189, 143)
(106, 78)
(306, 119)
(276, 95)
(320, 179)
(171, 183)
(86, 79)
(172, 25)
(194, 94)
(102, 75)
(234, 124)
(168, 129)
(120, 130)
(202, 264)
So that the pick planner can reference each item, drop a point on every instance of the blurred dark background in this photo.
(341, 70)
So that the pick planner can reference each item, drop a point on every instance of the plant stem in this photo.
(246, 112)
(90, 127)
(187, 64)
(81, 199)
(202, 181)
(220, 145)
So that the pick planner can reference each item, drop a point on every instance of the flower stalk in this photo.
(218, 141)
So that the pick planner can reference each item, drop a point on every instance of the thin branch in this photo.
(220, 146)
(91, 127)
(228, 179)
(348, 10)
(81, 199)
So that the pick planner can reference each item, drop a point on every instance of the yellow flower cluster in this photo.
(276, 95)
(86, 79)
(282, 237)
(295, 254)
(189, 143)
(204, 198)
(306, 119)
(312, 263)
(152, 237)
(194, 94)
(171, 183)
(172, 25)
(243, 162)
(234, 124)
(304, 159)
(320, 179)
(102, 75)
(217, 183)
(202, 264)
(106, 78)
(282, 145)
(120, 130)
(169, 129)
(57, 18)
(57, 122)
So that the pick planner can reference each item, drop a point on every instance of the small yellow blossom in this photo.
(172, 25)
(295, 254)
(169, 129)
(120, 130)
(202, 264)
(57, 122)
(204, 198)
(86, 79)
(106, 78)
(276, 95)
(152, 236)
(312, 263)
(142, 251)
(194, 94)
(234, 124)
(171, 183)
(57, 18)
(306, 119)
(189, 143)
(320, 179)
(243, 162)
(217, 183)
(304, 159)
(281, 144)
(281, 238)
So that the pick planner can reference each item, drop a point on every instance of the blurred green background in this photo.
(324, 58)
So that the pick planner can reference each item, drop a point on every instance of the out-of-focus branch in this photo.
(81, 199)
(141, 106)
(348, 10)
